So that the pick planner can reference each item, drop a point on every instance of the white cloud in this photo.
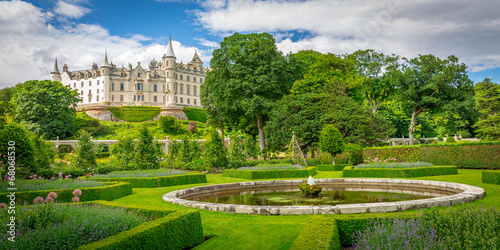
(70, 10)
(468, 29)
(29, 45)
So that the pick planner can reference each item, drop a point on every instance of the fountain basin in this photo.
(454, 193)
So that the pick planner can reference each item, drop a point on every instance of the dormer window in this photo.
(121, 74)
(138, 74)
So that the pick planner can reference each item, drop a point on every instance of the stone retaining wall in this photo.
(458, 194)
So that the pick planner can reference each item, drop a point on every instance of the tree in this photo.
(331, 141)
(379, 73)
(45, 152)
(169, 124)
(148, 152)
(488, 103)
(248, 74)
(85, 154)
(428, 83)
(22, 146)
(46, 107)
(124, 150)
(215, 155)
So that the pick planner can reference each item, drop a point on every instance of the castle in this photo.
(165, 83)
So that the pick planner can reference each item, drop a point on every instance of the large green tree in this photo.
(428, 83)
(379, 74)
(248, 74)
(488, 103)
(331, 141)
(46, 108)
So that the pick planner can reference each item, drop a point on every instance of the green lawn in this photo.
(237, 231)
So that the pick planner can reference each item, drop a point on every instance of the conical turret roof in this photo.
(105, 63)
(55, 70)
(170, 49)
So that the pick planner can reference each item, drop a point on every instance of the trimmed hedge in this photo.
(320, 232)
(268, 174)
(398, 172)
(113, 190)
(492, 177)
(483, 155)
(162, 181)
(336, 167)
(171, 230)
(135, 113)
(195, 114)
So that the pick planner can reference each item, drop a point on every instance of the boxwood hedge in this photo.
(398, 172)
(320, 232)
(170, 230)
(492, 177)
(482, 155)
(162, 181)
(336, 167)
(268, 174)
(113, 190)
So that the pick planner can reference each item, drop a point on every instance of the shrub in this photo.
(164, 181)
(313, 161)
(85, 158)
(450, 139)
(124, 150)
(102, 148)
(355, 154)
(192, 127)
(169, 124)
(331, 141)
(45, 152)
(215, 155)
(320, 232)
(269, 174)
(337, 167)
(135, 113)
(195, 114)
(396, 165)
(491, 177)
(24, 150)
(399, 172)
(140, 173)
(148, 153)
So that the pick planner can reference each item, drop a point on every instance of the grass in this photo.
(35, 185)
(135, 113)
(239, 231)
(140, 173)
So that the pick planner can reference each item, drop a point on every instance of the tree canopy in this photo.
(488, 103)
(331, 141)
(46, 108)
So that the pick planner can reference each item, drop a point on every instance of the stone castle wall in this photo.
(102, 113)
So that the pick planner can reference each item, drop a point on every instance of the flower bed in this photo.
(273, 167)
(395, 165)
(398, 172)
(492, 177)
(267, 174)
(110, 191)
(336, 167)
(35, 185)
(162, 181)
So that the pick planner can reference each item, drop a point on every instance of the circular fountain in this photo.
(442, 193)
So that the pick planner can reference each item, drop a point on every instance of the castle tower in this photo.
(196, 61)
(105, 68)
(106, 76)
(168, 64)
(55, 76)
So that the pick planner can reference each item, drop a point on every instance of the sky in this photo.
(78, 32)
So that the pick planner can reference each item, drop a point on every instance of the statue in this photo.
(310, 180)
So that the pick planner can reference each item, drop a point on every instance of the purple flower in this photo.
(66, 177)
(34, 176)
(53, 178)
(77, 192)
(79, 178)
(2, 206)
(40, 178)
(60, 174)
(52, 194)
(31, 176)
(38, 200)
(69, 175)
(49, 200)
(75, 199)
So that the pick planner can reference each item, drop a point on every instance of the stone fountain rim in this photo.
(465, 193)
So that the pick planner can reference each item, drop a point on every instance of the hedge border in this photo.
(398, 172)
(172, 229)
(112, 190)
(320, 232)
(492, 177)
(268, 174)
(336, 167)
(162, 181)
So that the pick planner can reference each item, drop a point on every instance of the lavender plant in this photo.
(272, 167)
(395, 165)
(66, 226)
(34, 185)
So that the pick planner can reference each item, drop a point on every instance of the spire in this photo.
(55, 70)
(105, 63)
(196, 57)
(170, 50)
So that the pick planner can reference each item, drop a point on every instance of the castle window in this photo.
(138, 74)
(176, 99)
(168, 74)
(81, 93)
(187, 78)
(90, 99)
(112, 98)
(194, 101)
(163, 98)
(97, 82)
(182, 89)
(112, 87)
(194, 90)
(138, 87)
(155, 75)
(82, 84)
(201, 80)
(93, 74)
(155, 98)
(90, 92)
(143, 98)
(74, 85)
(97, 91)
(175, 87)
(121, 74)
(181, 100)
(121, 87)
(194, 79)
(90, 83)
(155, 88)
(188, 101)
(181, 77)
(188, 88)
(97, 99)
(121, 98)
(135, 98)
(175, 76)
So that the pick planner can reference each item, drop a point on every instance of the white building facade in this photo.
(164, 83)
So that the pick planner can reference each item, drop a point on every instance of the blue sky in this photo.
(132, 31)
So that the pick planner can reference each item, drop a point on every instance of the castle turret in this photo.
(168, 64)
(55, 75)
(105, 68)
(196, 61)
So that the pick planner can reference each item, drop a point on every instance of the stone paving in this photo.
(458, 194)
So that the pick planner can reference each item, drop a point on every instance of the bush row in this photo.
(171, 230)
(162, 181)
(135, 113)
(484, 155)
(492, 177)
(113, 190)
(398, 172)
(336, 167)
(320, 232)
(268, 174)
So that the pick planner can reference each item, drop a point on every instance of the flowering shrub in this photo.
(77, 192)
(27, 185)
(38, 200)
(308, 190)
